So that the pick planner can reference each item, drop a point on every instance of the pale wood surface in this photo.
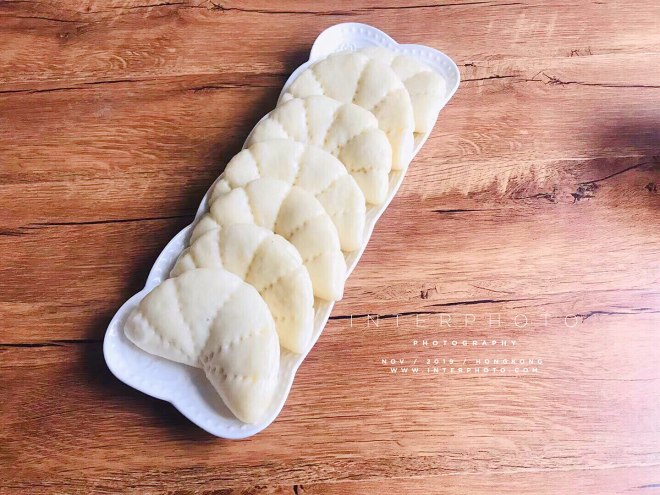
(537, 194)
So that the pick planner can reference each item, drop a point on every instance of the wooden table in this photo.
(536, 196)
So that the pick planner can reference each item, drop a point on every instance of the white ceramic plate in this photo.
(187, 388)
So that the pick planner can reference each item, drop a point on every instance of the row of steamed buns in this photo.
(282, 219)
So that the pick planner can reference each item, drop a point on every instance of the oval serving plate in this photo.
(187, 388)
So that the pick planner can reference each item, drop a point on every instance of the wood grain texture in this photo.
(536, 195)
